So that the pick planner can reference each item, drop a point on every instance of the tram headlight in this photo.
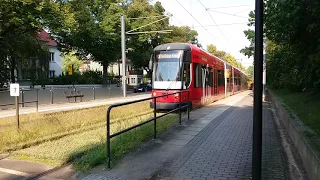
(154, 94)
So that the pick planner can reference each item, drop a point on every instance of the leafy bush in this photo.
(88, 77)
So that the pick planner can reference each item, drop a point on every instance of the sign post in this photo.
(15, 91)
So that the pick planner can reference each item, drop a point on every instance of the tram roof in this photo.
(188, 47)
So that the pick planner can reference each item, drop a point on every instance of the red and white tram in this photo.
(180, 66)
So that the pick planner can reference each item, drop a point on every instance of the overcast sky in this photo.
(230, 15)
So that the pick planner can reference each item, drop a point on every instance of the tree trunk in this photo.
(12, 68)
(105, 74)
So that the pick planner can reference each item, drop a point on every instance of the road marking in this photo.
(14, 172)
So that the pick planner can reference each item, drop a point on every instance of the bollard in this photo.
(37, 103)
(75, 92)
(109, 87)
(155, 117)
(51, 92)
(94, 92)
(180, 108)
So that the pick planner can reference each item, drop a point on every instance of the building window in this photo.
(52, 56)
(51, 74)
(139, 80)
(133, 80)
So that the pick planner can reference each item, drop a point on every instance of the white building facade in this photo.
(55, 66)
(134, 77)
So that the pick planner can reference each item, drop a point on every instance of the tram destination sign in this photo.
(169, 55)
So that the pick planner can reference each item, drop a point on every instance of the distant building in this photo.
(32, 69)
(91, 65)
(134, 76)
(55, 65)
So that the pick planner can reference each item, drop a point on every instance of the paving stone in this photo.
(223, 149)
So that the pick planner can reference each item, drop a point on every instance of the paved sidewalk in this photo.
(71, 106)
(215, 144)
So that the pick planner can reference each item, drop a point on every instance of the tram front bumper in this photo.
(168, 106)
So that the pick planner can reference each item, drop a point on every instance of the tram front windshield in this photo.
(168, 66)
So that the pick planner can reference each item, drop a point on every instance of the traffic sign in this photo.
(14, 89)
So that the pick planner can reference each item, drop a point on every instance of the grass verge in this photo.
(306, 105)
(37, 128)
(88, 149)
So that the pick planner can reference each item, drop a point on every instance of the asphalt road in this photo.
(44, 96)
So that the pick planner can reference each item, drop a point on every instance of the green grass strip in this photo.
(306, 105)
(86, 150)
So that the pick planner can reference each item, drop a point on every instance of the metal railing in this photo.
(154, 119)
(51, 93)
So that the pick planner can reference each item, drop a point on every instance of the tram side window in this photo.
(197, 75)
(221, 78)
(210, 78)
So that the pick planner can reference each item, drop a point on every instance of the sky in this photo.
(231, 16)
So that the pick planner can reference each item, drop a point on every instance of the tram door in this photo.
(205, 83)
(215, 82)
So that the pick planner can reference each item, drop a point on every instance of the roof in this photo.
(189, 47)
(45, 37)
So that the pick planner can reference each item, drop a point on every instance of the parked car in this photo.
(142, 88)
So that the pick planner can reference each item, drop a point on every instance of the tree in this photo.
(224, 56)
(213, 50)
(183, 34)
(249, 51)
(95, 32)
(250, 71)
(20, 21)
(292, 47)
(143, 44)
(70, 59)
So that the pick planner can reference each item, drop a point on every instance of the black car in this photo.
(142, 88)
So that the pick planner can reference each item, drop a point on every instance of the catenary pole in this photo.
(123, 52)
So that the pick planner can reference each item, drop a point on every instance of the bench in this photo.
(73, 94)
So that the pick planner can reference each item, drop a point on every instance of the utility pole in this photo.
(123, 44)
(264, 81)
(257, 94)
(123, 51)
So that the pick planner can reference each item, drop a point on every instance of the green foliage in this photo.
(143, 44)
(20, 20)
(306, 106)
(293, 44)
(88, 77)
(95, 30)
(224, 56)
(249, 51)
(69, 59)
(250, 71)
(89, 28)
